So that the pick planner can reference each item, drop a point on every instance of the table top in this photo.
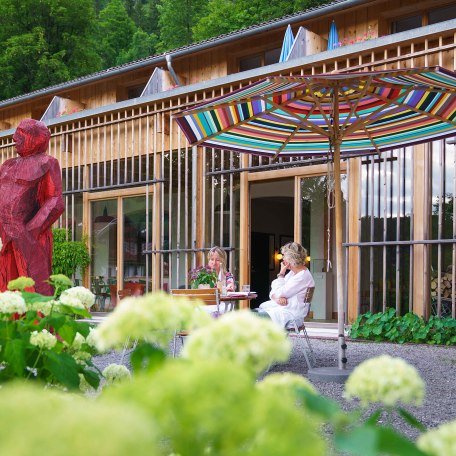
(238, 296)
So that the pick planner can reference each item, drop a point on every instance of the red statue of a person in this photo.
(30, 202)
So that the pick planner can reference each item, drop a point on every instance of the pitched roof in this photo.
(327, 8)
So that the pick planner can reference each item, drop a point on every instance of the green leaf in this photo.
(35, 297)
(15, 356)
(79, 312)
(92, 378)
(67, 333)
(410, 419)
(368, 440)
(146, 357)
(64, 368)
(373, 419)
(320, 405)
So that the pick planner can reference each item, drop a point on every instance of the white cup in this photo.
(246, 288)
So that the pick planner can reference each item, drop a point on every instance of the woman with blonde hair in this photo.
(217, 261)
(289, 290)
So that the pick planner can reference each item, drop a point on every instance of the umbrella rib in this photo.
(301, 121)
(317, 102)
(285, 143)
(419, 111)
(357, 125)
(355, 105)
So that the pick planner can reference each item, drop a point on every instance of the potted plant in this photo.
(202, 277)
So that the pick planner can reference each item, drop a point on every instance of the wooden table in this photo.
(230, 299)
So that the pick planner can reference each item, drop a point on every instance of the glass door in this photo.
(119, 231)
(315, 229)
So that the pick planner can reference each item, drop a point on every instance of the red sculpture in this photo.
(30, 202)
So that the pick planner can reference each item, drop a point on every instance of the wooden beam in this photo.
(421, 289)
(305, 171)
(244, 239)
(353, 253)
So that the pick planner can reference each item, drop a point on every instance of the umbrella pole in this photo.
(342, 360)
(336, 374)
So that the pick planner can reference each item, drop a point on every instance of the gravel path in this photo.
(437, 366)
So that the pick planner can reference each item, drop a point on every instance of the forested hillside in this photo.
(44, 42)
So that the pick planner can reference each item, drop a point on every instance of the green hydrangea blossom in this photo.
(153, 318)
(439, 441)
(385, 380)
(21, 283)
(242, 338)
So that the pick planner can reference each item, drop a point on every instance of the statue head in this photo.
(31, 137)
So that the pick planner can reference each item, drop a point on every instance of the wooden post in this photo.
(353, 236)
(244, 240)
(421, 284)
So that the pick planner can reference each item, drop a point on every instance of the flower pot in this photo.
(203, 285)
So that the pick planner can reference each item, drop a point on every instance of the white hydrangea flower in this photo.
(43, 339)
(12, 302)
(85, 296)
(91, 338)
(154, 318)
(79, 339)
(115, 373)
(71, 301)
(43, 307)
(439, 441)
(385, 380)
(242, 338)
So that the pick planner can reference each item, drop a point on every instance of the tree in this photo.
(142, 45)
(177, 18)
(224, 16)
(115, 31)
(45, 42)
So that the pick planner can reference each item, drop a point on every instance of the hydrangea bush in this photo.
(385, 380)
(40, 338)
(241, 337)
(153, 318)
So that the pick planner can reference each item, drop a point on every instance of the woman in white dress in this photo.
(288, 291)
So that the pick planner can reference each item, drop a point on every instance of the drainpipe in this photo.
(171, 70)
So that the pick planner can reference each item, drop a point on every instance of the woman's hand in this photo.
(230, 286)
(283, 267)
(282, 301)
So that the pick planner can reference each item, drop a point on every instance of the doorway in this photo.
(119, 229)
(295, 208)
(272, 225)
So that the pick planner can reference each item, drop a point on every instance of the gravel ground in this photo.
(436, 365)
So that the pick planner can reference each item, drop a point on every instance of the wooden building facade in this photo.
(151, 206)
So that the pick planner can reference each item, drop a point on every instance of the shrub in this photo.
(40, 339)
(400, 329)
(68, 256)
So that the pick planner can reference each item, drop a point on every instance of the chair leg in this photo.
(312, 353)
(303, 342)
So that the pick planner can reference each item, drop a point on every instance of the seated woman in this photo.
(288, 291)
(217, 261)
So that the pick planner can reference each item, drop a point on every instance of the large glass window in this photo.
(386, 211)
(443, 256)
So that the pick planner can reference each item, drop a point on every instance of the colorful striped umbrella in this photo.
(296, 115)
(341, 113)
